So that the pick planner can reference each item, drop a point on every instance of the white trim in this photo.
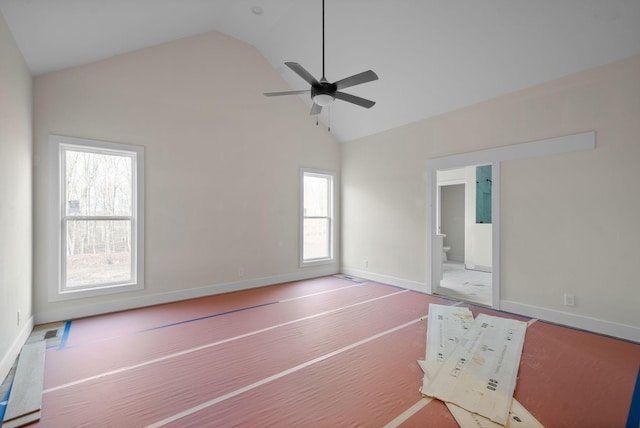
(451, 182)
(622, 331)
(385, 279)
(495, 238)
(56, 142)
(435, 257)
(11, 354)
(550, 146)
(174, 296)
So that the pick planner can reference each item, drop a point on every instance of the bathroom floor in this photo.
(463, 284)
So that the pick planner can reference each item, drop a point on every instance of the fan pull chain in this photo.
(329, 119)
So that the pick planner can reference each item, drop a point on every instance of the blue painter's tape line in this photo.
(3, 404)
(633, 421)
(206, 317)
(63, 342)
(65, 335)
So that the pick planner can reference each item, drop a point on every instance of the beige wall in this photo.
(569, 223)
(15, 199)
(222, 164)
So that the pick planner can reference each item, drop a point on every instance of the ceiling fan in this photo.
(324, 92)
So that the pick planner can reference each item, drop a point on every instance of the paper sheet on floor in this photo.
(480, 374)
(519, 417)
(446, 325)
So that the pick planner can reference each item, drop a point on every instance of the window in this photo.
(96, 211)
(317, 216)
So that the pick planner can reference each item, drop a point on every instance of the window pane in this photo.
(316, 239)
(98, 252)
(316, 196)
(97, 184)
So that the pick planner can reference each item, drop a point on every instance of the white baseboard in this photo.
(622, 331)
(478, 268)
(10, 354)
(385, 279)
(595, 325)
(84, 310)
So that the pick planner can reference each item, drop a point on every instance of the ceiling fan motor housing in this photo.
(323, 93)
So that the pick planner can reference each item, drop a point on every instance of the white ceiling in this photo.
(432, 56)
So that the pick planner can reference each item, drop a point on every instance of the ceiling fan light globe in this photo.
(323, 99)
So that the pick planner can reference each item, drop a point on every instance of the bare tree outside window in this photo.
(98, 218)
(95, 217)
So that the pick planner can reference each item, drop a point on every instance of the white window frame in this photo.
(57, 214)
(331, 175)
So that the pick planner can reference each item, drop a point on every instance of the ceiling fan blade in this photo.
(275, 94)
(315, 109)
(300, 71)
(356, 79)
(362, 102)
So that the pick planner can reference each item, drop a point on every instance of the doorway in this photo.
(551, 146)
(464, 226)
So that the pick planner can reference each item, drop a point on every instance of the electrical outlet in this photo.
(366, 263)
(569, 299)
(18, 318)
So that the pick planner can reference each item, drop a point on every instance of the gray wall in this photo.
(452, 200)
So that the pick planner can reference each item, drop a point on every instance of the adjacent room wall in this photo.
(477, 245)
(452, 222)
(15, 200)
(569, 222)
(222, 165)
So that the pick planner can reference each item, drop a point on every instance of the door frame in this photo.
(550, 146)
(433, 189)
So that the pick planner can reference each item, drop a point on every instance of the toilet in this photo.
(445, 250)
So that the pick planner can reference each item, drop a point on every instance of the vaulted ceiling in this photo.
(432, 56)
